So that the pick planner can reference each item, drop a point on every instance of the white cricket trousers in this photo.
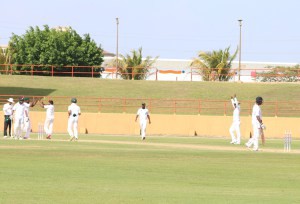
(143, 125)
(72, 126)
(235, 127)
(254, 140)
(27, 128)
(48, 126)
(18, 122)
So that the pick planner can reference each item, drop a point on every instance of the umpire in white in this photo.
(8, 110)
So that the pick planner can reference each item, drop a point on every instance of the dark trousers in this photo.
(7, 124)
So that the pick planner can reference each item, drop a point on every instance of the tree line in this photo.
(61, 47)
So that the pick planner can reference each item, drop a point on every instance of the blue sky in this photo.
(176, 29)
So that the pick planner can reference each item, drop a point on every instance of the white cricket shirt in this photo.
(49, 111)
(143, 113)
(236, 114)
(26, 105)
(7, 109)
(74, 109)
(19, 110)
(256, 111)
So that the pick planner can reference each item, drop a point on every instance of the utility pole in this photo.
(240, 48)
(117, 51)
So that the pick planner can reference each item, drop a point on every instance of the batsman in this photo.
(257, 124)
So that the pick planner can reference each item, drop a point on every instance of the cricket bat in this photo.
(263, 139)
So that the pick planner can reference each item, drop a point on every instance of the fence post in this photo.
(124, 105)
(31, 70)
(156, 74)
(52, 70)
(150, 104)
(174, 106)
(72, 71)
(199, 107)
(99, 105)
(11, 71)
(132, 74)
(191, 74)
(276, 108)
(92, 72)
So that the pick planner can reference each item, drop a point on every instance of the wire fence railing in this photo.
(165, 106)
(152, 73)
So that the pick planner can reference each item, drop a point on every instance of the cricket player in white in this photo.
(235, 126)
(27, 123)
(7, 111)
(48, 125)
(18, 112)
(143, 113)
(74, 113)
(257, 124)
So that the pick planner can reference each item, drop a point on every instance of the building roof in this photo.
(108, 54)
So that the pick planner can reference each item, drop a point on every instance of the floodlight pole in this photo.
(240, 48)
(117, 51)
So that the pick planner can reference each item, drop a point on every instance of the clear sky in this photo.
(176, 29)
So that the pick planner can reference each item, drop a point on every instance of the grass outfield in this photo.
(67, 86)
(123, 169)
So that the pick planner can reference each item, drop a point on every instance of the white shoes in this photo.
(232, 142)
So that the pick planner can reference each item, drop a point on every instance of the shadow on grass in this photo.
(16, 92)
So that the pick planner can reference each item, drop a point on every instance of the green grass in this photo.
(154, 93)
(93, 172)
(67, 86)
(122, 169)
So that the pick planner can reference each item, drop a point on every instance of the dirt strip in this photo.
(166, 145)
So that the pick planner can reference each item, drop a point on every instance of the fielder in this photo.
(257, 124)
(74, 113)
(27, 123)
(235, 126)
(48, 125)
(7, 112)
(18, 112)
(143, 113)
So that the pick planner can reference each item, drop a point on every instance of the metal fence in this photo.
(165, 106)
(152, 73)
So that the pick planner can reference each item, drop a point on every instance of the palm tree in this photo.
(215, 64)
(133, 66)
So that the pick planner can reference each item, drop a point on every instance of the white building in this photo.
(180, 70)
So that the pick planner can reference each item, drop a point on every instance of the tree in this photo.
(214, 65)
(4, 59)
(133, 66)
(59, 47)
(280, 74)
